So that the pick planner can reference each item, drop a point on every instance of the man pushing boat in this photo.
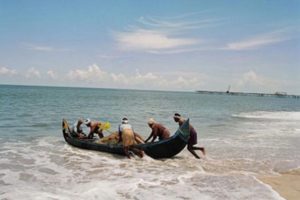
(128, 138)
(95, 127)
(193, 136)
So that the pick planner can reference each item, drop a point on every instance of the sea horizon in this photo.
(154, 90)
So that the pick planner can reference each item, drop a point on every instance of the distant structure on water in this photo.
(228, 90)
(276, 94)
(281, 94)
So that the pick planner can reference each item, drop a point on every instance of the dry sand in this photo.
(287, 184)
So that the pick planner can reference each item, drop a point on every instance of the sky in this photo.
(177, 45)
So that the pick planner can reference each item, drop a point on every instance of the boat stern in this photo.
(184, 130)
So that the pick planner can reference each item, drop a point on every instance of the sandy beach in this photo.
(287, 184)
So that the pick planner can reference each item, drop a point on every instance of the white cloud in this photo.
(173, 36)
(142, 39)
(51, 74)
(92, 74)
(180, 50)
(251, 77)
(251, 81)
(183, 82)
(253, 43)
(95, 76)
(7, 71)
(32, 73)
(179, 23)
(136, 80)
(119, 78)
(167, 35)
(167, 81)
(43, 48)
(148, 76)
(259, 41)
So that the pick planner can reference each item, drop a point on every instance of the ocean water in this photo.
(244, 136)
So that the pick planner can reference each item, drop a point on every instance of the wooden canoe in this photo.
(162, 149)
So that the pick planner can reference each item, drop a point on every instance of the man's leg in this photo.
(137, 151)
(191, 149)
(126, 150)
(202, 149)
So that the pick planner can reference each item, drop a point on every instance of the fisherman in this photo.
(77, 131)
(158, 130)
(127, 137)
(193, 136)
(95, 127)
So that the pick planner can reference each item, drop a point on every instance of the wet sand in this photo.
(287, 184)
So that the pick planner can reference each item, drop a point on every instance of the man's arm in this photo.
(149, 137)
(154, 137)
(91, 133)
(155, 130)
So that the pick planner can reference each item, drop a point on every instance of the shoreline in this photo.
(287, 184)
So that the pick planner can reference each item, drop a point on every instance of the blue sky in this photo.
(254, 46)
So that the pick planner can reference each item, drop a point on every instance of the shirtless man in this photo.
(94, 128)
(193, 136)
(77, 131)
(158, 130)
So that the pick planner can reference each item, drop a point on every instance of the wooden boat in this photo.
(162, 149)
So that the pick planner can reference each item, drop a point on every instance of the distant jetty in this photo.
(276, 94)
